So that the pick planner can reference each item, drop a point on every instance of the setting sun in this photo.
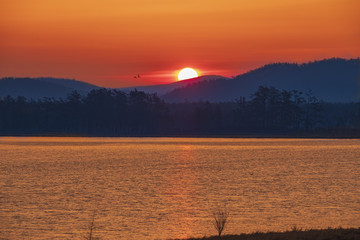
(187, 73)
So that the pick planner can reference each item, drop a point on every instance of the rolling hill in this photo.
(35, 88)
(332, 80)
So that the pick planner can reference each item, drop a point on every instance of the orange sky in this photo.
(107, 42)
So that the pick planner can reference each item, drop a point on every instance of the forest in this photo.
(270, 112)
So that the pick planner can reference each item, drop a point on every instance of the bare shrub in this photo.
(91, 228)
(220, 218)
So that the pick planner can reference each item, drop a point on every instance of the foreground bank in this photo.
(295, 234)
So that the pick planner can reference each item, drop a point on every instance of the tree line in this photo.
(107, 112)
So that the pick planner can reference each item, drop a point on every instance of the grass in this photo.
(294, 234)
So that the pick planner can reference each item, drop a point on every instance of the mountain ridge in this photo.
(42, 87)
(332, 80)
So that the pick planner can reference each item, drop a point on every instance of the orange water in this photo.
(158, 188)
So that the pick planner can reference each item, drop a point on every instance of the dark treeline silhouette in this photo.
(105, 112)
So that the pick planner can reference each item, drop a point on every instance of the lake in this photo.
(159, 188)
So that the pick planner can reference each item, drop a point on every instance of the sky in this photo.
(108, 42)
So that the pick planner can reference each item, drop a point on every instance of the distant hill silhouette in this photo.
(332, 80)
(35, 88)
(165, 88)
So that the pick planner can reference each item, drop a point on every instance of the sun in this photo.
(187, 73)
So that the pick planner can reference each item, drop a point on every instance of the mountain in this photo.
(165, 88)
(332, 80)
(35, 88)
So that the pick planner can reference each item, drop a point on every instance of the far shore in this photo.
(295, 234)
(318, 135)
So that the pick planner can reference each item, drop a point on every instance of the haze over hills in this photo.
(35, 88)
(161, 89)
(332, 80)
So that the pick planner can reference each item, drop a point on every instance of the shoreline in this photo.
(295, 234)
(278, 136)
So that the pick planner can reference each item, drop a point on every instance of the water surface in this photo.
(158, 188)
